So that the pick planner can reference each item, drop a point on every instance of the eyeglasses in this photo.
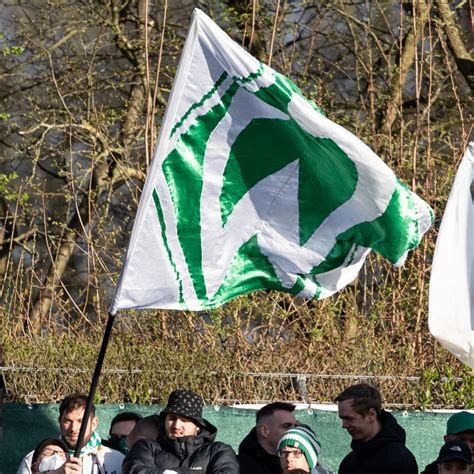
(297, 453)
(47, 452)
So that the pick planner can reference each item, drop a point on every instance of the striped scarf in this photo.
(91, 447)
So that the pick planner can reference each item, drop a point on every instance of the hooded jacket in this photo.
(431, 468)
(253, 459)
(185, 455)
(385, 453)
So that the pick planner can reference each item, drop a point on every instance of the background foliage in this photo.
(83, 87)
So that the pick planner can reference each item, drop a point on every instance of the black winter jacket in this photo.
(186, 455)
(385, 453)
(431, 468)
(253, 459)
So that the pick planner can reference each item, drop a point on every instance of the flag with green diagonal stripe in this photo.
(252, 187)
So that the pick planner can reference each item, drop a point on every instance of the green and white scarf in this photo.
(91, 447)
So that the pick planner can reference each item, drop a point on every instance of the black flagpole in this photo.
(95, 381)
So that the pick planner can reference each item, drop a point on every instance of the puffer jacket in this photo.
(385, 453)
(185, 455)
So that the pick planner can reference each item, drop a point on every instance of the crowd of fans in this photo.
(180, 441)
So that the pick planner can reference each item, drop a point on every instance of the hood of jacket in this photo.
(250, 443)
(251, 447)
(391, 432)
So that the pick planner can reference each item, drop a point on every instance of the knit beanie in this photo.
(302, 438)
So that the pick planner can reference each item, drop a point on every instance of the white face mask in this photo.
(51, 463)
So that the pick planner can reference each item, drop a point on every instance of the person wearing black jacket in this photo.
(258, 450)
(185, 443)
(378, 441)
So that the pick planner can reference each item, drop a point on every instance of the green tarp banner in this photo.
(26, 425)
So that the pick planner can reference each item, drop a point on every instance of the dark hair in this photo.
(125, 416)
(73, 402)
(364, 397)
(271, 408)
(47, 442)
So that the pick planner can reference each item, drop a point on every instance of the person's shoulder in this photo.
(221, 457)
(401, 449)
(110, 455)
(399, 455)
(106, 449)
(25, 464)
(347, 463)
(222, 444)
(150, 446)
(249, 442)
(431, 468)
(219, 446)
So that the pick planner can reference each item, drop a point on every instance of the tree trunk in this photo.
(55, 274)
(7, 233)
(407, 57)
(464, 60)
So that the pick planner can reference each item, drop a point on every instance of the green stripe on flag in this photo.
(185, 161)
(180, 122)
(159, 212)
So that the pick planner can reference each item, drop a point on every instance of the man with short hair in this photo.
(120, 427)
(94, 457)
(378, 441)
(454, 458)
(460, 427)
(185, 443)
(258, 450)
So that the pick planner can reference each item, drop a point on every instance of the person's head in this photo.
(183, 414)
(71, 412)
(273, 421)
(460, 427)
(48, 455)
(298, 449)
(360, 407)
(123, 423)
(454, 457)
(120, 427)
(146, 428)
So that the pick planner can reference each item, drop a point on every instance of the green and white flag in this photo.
(252, 187)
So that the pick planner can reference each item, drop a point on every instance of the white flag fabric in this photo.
(451, 301)
(251, 187)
